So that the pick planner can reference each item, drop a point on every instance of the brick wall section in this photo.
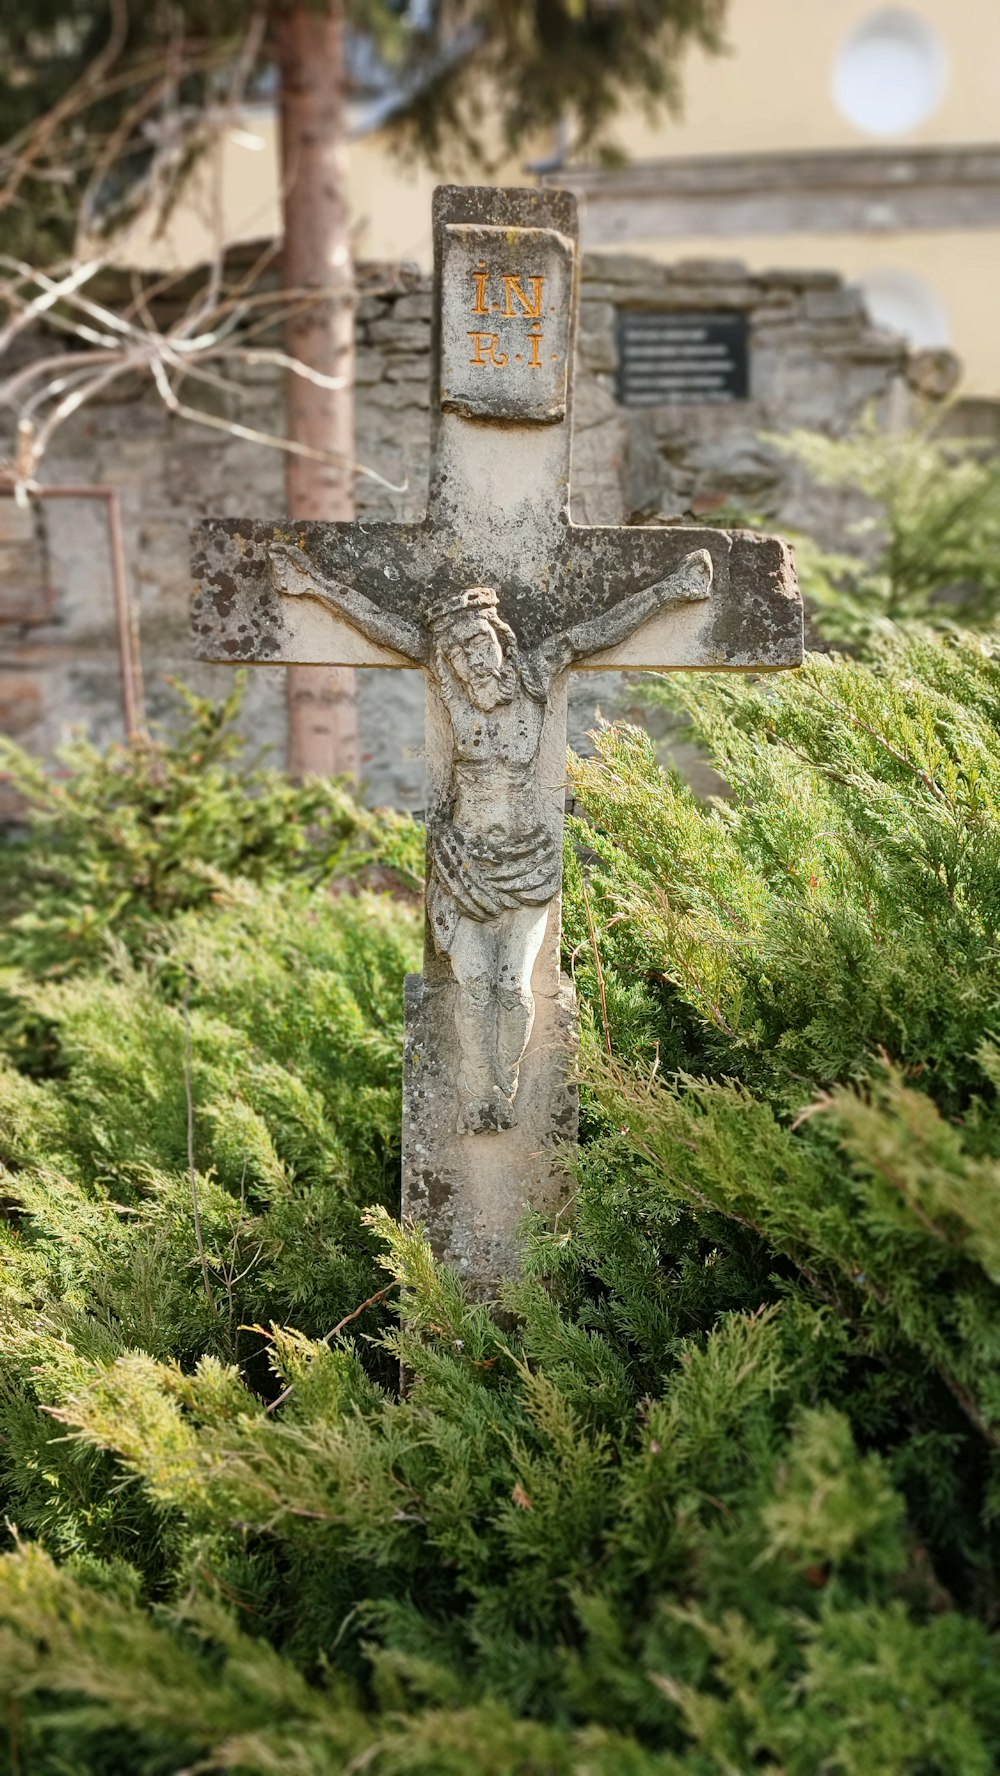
(816, 362)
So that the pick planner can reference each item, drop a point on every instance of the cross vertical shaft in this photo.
(501, 404)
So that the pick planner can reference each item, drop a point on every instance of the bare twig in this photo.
(380, 1295)
(111, 149)
(52, 292)
(131, 342)
(41, 152)
(239, 80)
(218, 328)
(55, 367)
(253, 436)
(69, 405)
(83, 89)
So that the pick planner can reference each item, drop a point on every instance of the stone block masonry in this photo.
(814, 361)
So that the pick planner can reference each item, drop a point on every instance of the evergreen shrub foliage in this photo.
(928, 548)
(121, 839)
(716, 1493)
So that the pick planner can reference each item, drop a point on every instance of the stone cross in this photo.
(496, 597)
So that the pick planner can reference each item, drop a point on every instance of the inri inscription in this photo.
(506, 313)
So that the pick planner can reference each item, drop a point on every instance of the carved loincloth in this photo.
(473, 879)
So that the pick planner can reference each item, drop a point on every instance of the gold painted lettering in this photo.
(531, 305)
(481, 276)
(490, 344)
(535, 360)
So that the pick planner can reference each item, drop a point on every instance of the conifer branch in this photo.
(192, 1173)
(379, 1295)
(605, 1025)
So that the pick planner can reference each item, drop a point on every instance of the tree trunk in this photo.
(322, 702)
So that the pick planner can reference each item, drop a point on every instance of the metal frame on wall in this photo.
(126, 617)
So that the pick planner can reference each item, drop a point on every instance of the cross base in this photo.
(471, 1191)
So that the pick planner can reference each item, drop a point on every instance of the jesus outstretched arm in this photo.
(690, 582)
(296, 576)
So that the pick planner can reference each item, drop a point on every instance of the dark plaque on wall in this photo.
(669, 357)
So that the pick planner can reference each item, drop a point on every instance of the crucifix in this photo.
(496, 596)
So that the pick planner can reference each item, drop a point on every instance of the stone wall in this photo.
(815, 361)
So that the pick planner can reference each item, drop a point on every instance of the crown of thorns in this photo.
(473, 602)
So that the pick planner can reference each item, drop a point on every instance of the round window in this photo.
(890, 74)
(902, 303)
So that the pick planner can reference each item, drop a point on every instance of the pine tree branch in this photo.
(192, 1173)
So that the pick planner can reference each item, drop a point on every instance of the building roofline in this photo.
(849, 190)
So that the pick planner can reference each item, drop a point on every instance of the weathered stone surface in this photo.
(847, 191)
(25, 593)
(404, 369)
(496, 596)
(709, 271)
(839, 303)
(622, 269)
(396, 395)
(369, 366)
(373, 308)
(869, 346)
(594, 404)
(571, 578)
(934, 374)
(669, 295)
(506, 322)
(399, 336)
(597, 347)
(801, 277)
(597, 317)
(418, 306)
(471, 1191)
(599, 456)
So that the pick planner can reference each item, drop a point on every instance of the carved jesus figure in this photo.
(494, 866)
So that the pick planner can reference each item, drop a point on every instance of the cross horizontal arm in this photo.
(240, 614)
(580, 604)
(690, 583)
(295, 576)
(752, 621)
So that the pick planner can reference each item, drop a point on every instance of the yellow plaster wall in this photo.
(390, 200)
(774, 88)
(771, 91)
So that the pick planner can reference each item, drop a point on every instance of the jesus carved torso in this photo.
(494, 866)
(490, 849)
